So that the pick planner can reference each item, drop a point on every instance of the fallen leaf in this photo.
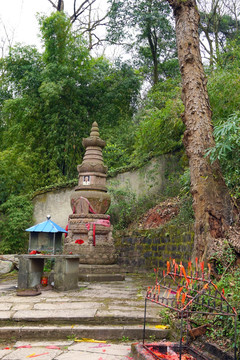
(162, 327)
(35, 355)
(89, 340)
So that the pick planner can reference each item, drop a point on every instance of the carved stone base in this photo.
(90, 239)
(101, 255)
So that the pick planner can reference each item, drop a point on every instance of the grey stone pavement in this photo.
(54, 323)
(66, 350)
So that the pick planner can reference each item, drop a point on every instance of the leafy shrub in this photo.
(160, 128)
(224, 326)
(126, 208)
(122, 207)
(227, 150)
(119, 144)
(224, 93)
(16, 216)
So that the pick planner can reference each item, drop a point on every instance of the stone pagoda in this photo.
(89, 228)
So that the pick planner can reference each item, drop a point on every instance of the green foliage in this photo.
(186, 214)
(230, 282)
(165, 316)
(125, 339)
(160, 127)
(218, 28)
(113, 94)
(227, 150)
(48, 102)
(230, 58)
(145, 27)
(224, 93)
(125, 207)
(16, 216)
(122, 208)
(119, 147)
(178, 185)
(223, 258)
(224, 83)
(224, 326)
(56, 33)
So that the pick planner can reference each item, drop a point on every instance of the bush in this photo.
(160, 128)
(126, 208)
(16, 216)
(227, 150)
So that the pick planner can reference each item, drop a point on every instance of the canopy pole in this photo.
(30, 239)
(54, 243)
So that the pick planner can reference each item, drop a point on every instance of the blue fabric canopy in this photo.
(47, 226)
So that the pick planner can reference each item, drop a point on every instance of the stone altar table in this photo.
(66, 270)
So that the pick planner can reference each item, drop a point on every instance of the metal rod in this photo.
(144, 324)
(161, 303)
(181, 332)
(235, 339)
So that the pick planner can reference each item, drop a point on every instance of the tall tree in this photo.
(48, 102)
(212, 204)
(6, 38)
(87, 18)
(144, 28)
(233, 7)
(218, 22)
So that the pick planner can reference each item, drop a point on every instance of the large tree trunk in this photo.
(211, 200)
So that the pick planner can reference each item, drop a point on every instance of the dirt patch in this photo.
(160, 214)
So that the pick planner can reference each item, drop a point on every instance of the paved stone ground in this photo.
(110, 311)
(120, 302)
(66, 350)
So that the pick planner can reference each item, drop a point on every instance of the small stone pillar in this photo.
(89, 228)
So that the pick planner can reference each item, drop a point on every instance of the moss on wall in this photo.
(141, 250)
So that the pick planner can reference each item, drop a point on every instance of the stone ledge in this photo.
(101, 277)
(108, 332)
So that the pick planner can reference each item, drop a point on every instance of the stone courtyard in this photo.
(52, 324)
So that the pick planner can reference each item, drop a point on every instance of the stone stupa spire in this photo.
(92, 165)
(89, 227)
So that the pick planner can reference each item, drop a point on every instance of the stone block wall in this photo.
(144, 250)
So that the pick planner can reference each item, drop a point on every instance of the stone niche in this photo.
(89, 228)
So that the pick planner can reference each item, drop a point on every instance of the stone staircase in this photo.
(106, 310)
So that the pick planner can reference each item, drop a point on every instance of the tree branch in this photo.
(81, 9)
(51, 2)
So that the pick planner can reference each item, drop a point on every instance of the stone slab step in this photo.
(68, 316)
(100, 269)
(131, 332)
(101, 277)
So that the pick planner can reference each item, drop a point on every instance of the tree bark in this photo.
(153, 48)
(212, 203)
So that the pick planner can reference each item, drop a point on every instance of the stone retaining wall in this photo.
(150, 179)
(140, 250)
(148, 249)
